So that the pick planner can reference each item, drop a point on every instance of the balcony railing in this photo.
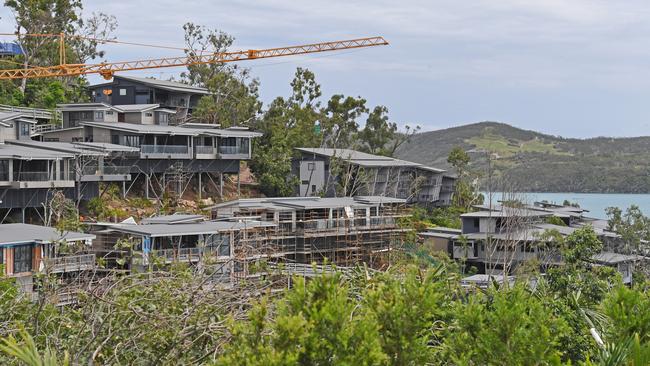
(69, 263)
(183, 254)
(165, 149)
(95, 170)
(205, 149)
(232, 150)
(34, 177)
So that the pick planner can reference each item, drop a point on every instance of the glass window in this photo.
(24, 129)
(4, 172)
(148, 114)
(311, 166)
(109, 113)
(132, 140)
(122, 91)
(23, 259)
(99, 115)
(115, 139)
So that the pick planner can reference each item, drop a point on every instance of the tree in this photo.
(378, 132)
(234, 95)
(339, 121)
(55, 17)
(465, 194)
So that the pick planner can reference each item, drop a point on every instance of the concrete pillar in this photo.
(221, 184)
(200, 186)
(123, 189)
(146, 185)
(238, 184)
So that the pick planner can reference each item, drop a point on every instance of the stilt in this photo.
(221, 185)
(200, 187)
(124, 189)
(238, 184)
(23, 213)
(146, 186)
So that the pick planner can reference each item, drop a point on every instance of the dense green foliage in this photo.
(415, 313)
(535, 162)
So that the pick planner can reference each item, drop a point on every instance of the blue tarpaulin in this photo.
(10, 49)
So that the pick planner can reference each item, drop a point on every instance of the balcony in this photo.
(70, 263)
(205, 152)
(41, 180)
(166, 151)
(181, 255)
(96, 173)
(234, 152)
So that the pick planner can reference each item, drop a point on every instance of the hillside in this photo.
(532, 161)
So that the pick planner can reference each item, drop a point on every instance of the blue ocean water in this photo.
(596, 203)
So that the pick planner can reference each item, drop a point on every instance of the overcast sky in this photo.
(575, 68)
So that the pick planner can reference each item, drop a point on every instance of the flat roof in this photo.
(208, 227)
(614, 258)
(10, 151)
(365, 159)
(507, 212)
(64, 147)
(173, 219)
(169, 130)
(14, 234)
(161, 84)
(284, 203)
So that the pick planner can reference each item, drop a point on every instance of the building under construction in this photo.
(340, 230)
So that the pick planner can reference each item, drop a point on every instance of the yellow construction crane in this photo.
(107, 69)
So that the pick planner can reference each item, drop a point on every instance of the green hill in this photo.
(532, 161)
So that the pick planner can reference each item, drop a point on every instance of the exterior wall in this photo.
(487, 225)
(134, 117)
(101, 135)
(7, 133)
(147, 118)
(110, 116)
(64, 135)
(312, 177)
(470, 225)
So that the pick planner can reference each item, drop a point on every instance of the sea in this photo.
(596, 203)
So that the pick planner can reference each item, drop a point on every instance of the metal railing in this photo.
(35, 112)
(183, 254)
(165, 149)
(46, 128)
(69, 263)
(205, 149)
(231, 150)
(96, 170)
(34, 177)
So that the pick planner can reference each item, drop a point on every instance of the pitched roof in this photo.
(163, 84)
(9, 116)
(209, 227)
(365, 159)
(64, 147)
(11, 151)
(12, 234)
(173, 219)
(136, 107)
(286, 203)
(171, 130)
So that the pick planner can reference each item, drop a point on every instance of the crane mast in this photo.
(107, 69)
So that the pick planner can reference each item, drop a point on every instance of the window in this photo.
(4, 172)
(122, 91)
(109, 113)
(305, 182)
(148, 114)
(23, 259)
(99, 115)
(24, 129)
(163, 118)
(311, 166)
(86, 115)
(132, 140)
(76, 139)
(313, 188)
(115, 139)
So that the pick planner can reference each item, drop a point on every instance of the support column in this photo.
(146, 186)
(221, 184)
(23, 214)
(123, 189)
(238, 183)
(200, 186)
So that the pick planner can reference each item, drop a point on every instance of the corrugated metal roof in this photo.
(173, 219)
(170, 130)
(65, 147)
(107, 147)
(282, 203)
(136, 107)
(26, 233)
(365, 159)
(29, 153)
(614, 258)
(164, 84)
(209, 227)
